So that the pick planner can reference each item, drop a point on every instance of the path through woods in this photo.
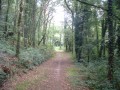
(51, 75)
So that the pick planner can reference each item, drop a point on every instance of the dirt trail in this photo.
(51, 75)
(56, 74)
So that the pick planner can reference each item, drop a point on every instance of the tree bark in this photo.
(0, 7)
(19, 29)
(104, 29)
(26, 24)
(111, 41)
(34, 22)
(6, 19)
(97, 33)
(118, 40)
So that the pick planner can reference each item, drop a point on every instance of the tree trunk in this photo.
(111, 41)
(118, 40)
(26, 15)
(19, 29)
(0, 7)
(73, 35)
(6, 19)
(97, 32)
(104, 29)
(33, 22)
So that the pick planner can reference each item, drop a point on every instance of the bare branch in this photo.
(68, 6)
(100, 7)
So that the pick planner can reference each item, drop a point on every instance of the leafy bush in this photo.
(33, 57)
(6, 47)
(117, 73)
(96, 75)
(3, 77)
(28, 58)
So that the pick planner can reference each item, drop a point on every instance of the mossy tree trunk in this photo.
(111, 41)
(19, 29)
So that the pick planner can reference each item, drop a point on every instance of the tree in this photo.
(6, 19)
(33, 22)
(19, 28)
(111, 41)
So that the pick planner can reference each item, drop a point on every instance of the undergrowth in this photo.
(33, 57)
(3, 77)
(94, 75)
(28, 59)
(96, 72)
(5, 47)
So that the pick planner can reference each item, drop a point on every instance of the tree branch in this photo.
(92, 5)
(98, 7)
(41, 39)
(68, 6)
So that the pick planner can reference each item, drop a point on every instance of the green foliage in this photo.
(74, 76)
(92, 74)
(6, 47)
(3, 76)
(97, 75)
(33, 57)
(117, 73)
(28, 58)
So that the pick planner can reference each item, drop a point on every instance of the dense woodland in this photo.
(90, 31)
(95, 39)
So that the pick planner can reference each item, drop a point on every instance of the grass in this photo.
(75, 76)
(23, 86)
(26, 84)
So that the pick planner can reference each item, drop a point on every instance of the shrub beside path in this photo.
(51, 75)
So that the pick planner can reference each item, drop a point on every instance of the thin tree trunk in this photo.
(19, 28)
(26, 24)
(104, 29)
(60, 40)
(97, 32)
(34, 23)
(118, 41)
(0, 7)
(73, 35)
(6, 19)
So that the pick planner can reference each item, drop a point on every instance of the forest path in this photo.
(50, 75)
(56, 73)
